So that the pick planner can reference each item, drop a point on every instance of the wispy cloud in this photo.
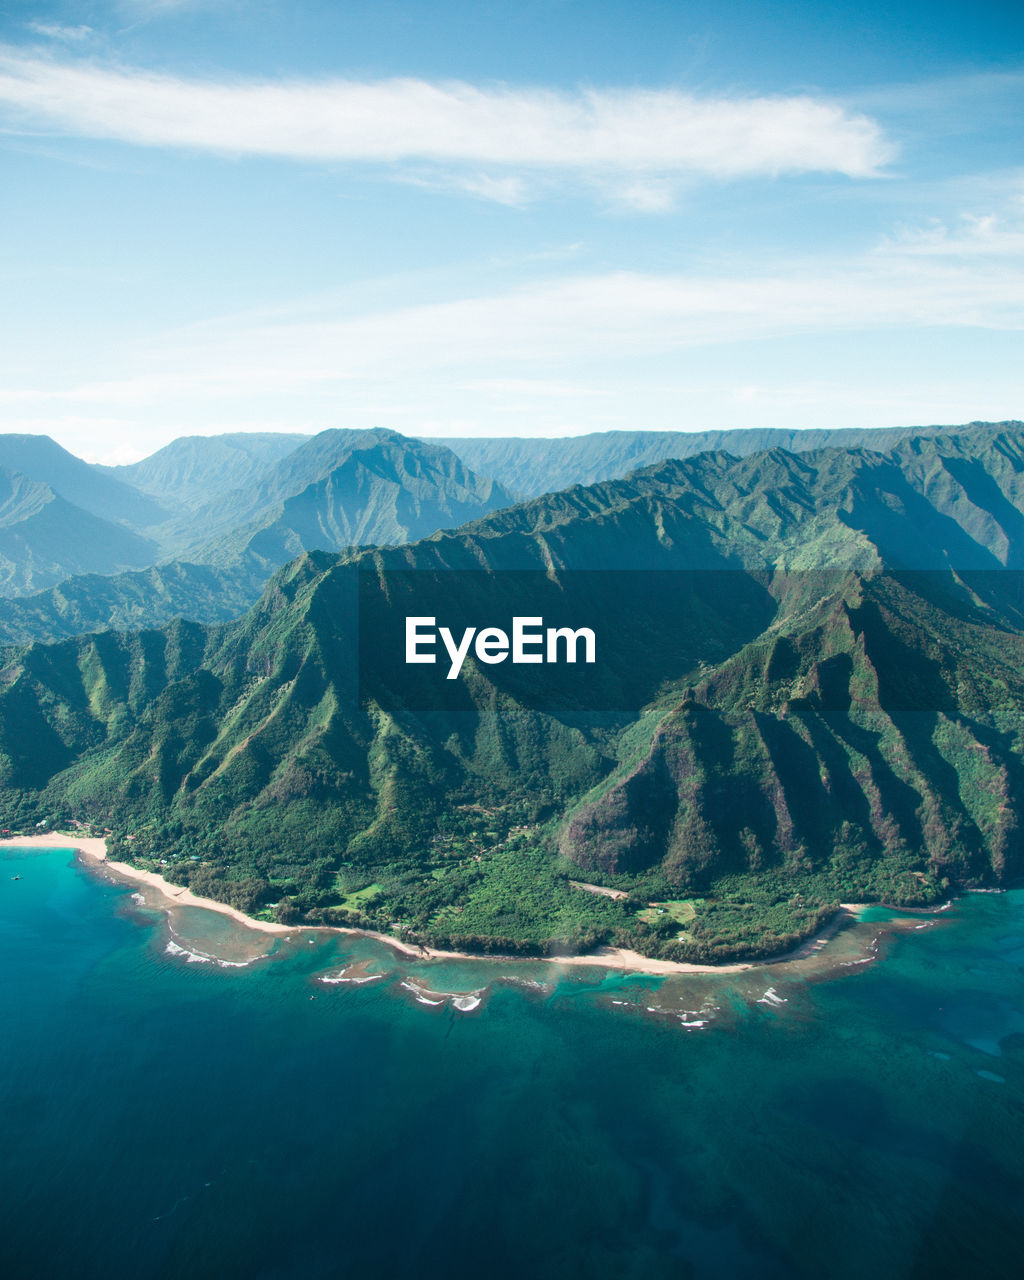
(971, 236)
(550, 332)
(553, 324)
(55, 31)
(644, 139)
(508, 189)
(146, 8)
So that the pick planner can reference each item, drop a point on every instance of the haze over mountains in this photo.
(339, 489)
(208, 521)
(535, 466)
(810, 688)
(44, 538)
(89, 487)
(193, 469)
(60, 516)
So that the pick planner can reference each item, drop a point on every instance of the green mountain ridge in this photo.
(865, 739)
(810, 690)
(136, 599)
(247, 503)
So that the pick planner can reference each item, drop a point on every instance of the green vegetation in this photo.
(142, 598)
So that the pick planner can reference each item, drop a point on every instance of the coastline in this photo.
(94, 850)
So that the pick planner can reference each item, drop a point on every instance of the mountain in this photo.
(193, 470)
(340, 488)
(43, 538)
(87, 487)
(535, 466)
(211, 559)
(809, 688)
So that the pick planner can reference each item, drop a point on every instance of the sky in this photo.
(538, 218)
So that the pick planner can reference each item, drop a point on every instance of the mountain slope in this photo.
(873, 741)
(340, 488)
(137, 599)
(337, 489)
(43, 537)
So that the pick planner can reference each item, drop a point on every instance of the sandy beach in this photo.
(634, 962)
(94, 849)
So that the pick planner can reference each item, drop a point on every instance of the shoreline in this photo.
(94, 850)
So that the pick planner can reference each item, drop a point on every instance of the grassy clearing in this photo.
(682, 910)
(360, 898)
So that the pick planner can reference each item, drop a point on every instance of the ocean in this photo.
(187, 1098)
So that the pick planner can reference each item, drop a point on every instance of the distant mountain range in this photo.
(193, 470)
(208, 521)
(532, 466)
(90, 488)
(810, 688)
(338, 489)
(141, 598)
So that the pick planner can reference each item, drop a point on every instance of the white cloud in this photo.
(147, 8)
(646, 137)
(121, 455)
(511, 190)
(553, 325)
(55, 31)
(532, 388)
(973, 235)
(645, 195)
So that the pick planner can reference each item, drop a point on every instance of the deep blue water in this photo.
(162, 1117)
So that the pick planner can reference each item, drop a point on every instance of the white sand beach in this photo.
(95, 849)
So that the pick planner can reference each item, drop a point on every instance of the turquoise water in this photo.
(171, 1116)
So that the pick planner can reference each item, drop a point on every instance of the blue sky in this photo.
(515, 219)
